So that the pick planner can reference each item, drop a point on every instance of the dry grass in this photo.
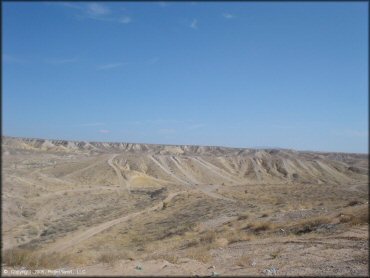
(208, 237)
(243, 216)
(355, 215)
(276, 253)
(244, 261)
(30, 259)
(259, 227)
(111, 258)
(200, 254)
(237, 236)
(171, 258)
(309, 225)
(108, 258)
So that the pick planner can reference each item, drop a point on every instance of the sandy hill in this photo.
(178, 210)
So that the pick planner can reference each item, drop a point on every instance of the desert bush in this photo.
(355, 216)
(112, 257)
(276, 253)
(352, 203)
(259, 227)
(208, 237)
(244, 261)
(237, 236)
(173, 259)
(191, 243)
(243, 216)
(108, 258)
(309, 225)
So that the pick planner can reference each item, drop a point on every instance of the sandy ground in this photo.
(131, 209)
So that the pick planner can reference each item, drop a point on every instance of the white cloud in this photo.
(125, 19)
(98, 11)
(69, 5)
(95, 9)
(194, 24)
(228, 16)
(110, 66)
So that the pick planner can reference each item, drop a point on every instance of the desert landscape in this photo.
(140, 209)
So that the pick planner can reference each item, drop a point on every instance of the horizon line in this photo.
(187, 145)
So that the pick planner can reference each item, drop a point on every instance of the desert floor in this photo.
(136, 209)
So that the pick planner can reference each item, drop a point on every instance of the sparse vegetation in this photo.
(200, 254)
(254, 224)
(243, 216)
(244, 261)
(18, 257)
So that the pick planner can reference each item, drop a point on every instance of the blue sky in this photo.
(242, 74)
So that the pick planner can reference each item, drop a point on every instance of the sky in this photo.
(241, 74)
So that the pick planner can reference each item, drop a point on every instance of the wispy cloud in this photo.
(194, 24)
(110, 66)
(98, 11)
(125, 19)
(228, 16)
(61, 61)
(104, 131)
(69, 5)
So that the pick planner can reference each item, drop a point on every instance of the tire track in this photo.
(168, 171)
(121, 180)
(214, 169)
(189, 176)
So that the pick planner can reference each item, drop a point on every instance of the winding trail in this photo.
(214, 169)
(79, 236)
(121, 180)
(168, 171)
(186, 173)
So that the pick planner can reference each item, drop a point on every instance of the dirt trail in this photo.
(186, 173)
(121, 180)
(83, 169)
(209, 190)
(72, 240)
(168, 171)
(214, 169)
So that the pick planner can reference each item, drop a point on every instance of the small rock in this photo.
(214, 274)
(270, 271)
(253, 263)
(138, 267)
(212, 266)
